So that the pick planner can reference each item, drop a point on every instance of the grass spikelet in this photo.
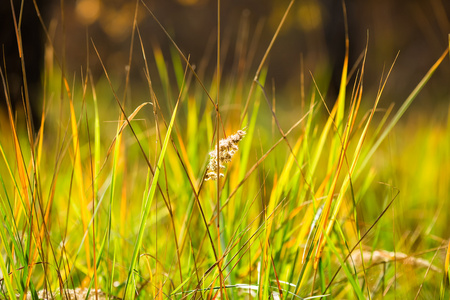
(227, 148)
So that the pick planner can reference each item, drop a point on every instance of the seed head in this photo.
(227, 148)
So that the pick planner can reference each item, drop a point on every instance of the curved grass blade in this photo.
(7, 279)
(129, 289)
(404, 107)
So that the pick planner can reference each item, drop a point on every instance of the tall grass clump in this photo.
(202, 191)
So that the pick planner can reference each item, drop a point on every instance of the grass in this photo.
(335, 202)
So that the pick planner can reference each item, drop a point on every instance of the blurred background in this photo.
(314, 30)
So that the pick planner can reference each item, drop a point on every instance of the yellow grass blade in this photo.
(79, 176)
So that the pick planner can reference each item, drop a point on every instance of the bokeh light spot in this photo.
(87, 11)
(309, 16)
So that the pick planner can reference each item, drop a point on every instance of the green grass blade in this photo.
(130, 287)
(404, 107)
(6, 278)
(348, 272)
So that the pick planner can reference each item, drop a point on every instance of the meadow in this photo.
(187, 187)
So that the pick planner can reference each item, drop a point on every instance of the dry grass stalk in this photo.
(382, 256)
(78, 293)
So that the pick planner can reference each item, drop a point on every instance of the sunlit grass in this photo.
(333, 202)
